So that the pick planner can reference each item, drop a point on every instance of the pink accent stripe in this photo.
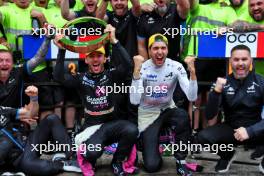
(86, 167)
(128, 165)
(192, 166)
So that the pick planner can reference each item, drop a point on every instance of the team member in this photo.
(101, 127)
(124, 20)
(241, 95)
(165, 18)
(14, 27)
(12, 77)
(156, 107)
(27, 159)
(89, 9)
(216, 15)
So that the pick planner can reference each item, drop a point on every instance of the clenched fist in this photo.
(31, 91)
(220, 82)
(138, 61)
(189, 60)
(109, 28)
(241, 134)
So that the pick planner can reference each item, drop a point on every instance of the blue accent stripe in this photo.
(211, 47)
(12, 139)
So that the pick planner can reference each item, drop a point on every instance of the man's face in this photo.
(162, 6)
(256, 9)
(236, 3)
(41, 3)
(158, 52)
(22, 3)
(95, 61)
(90, 5)
(240, 62)
(120, 7)
(6, 64)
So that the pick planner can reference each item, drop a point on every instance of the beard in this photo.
(259, 17)
(162, 10)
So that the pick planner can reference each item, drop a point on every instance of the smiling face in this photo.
(240, 62)
(6, 65)
(256, 9)
(95, 61)
(90, 5)
(41, 3)
(158, 52)
(120, 7)
(22, 3)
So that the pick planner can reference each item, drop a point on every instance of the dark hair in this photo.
(241, 47)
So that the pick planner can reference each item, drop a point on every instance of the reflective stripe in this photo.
(207, 20)
(100, 112)
(13, 46)
(18, 31)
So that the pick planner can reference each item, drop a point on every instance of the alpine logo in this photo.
(230, 91)
(251, 89)
(151, 20)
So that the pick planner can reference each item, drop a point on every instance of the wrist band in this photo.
(33, 98)
(88, 46)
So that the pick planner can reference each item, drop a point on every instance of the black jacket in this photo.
(242, 103)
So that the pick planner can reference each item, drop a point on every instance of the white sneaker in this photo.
(13, 173)
(71, 166)
(59, 157)
(261, 166)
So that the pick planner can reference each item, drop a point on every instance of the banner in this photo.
(211, 46)
(32, 43)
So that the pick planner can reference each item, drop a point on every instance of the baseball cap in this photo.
(99, 50)
(157, 38)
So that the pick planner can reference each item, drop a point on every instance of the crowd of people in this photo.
(146, 56)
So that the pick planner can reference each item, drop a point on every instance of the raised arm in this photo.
(243, 26)
(42, 51)
(183, 7)
(137, 81)
(65, 11)
(119, 55)
(189, 87)
(215, 99)
(101, 10)
(136, 10)
(142, 48)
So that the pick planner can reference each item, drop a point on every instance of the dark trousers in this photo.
(224, 134)
(178, 120)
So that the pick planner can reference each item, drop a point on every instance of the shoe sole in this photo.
(72, 169)
(261, 169)
(258, 159)
(229, 164)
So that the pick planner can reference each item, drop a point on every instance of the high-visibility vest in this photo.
(17, 21)
(53, 16)
(206, 17)
(259, 66)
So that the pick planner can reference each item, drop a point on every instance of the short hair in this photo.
(241, 47)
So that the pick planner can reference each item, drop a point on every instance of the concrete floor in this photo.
(236, 169)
